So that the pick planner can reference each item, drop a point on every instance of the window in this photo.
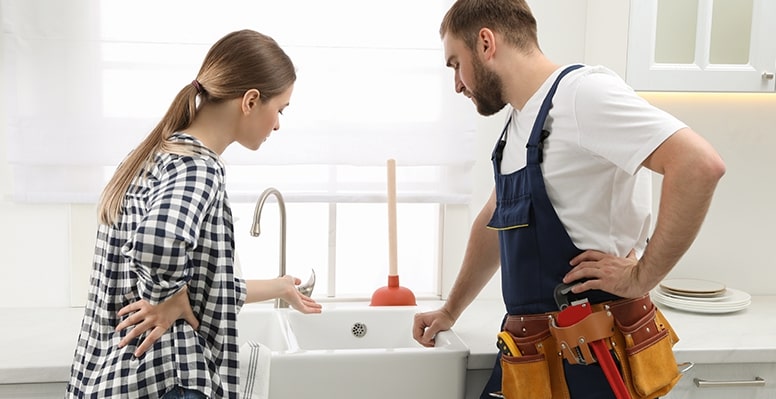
(346, 244)
(86, 80)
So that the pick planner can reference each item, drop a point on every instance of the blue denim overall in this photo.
(536, 249)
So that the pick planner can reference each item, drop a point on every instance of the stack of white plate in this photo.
(702, 296)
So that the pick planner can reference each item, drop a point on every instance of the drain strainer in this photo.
(358, 329)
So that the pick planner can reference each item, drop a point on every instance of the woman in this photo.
(161, 315)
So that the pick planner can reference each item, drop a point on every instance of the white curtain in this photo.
(86, 80)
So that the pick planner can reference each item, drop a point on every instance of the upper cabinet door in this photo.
(702, 45)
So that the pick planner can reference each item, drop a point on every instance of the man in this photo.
(572, 199)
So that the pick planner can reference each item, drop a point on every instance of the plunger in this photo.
(393, 294)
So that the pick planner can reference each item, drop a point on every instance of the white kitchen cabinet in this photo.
(727, 380)
(33, 391)
(702, 45)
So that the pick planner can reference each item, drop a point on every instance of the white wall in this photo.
(41, 243)
(734, 244)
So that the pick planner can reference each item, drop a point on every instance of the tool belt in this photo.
(533, 349)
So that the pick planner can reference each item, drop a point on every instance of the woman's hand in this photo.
(296, 299)
(156, 319)
(284, 288)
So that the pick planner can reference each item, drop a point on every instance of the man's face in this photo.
(472, 78)
(487, 90)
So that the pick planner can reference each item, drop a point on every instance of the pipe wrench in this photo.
(572, 312)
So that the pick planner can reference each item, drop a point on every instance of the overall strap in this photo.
(538, 134)
(498, 151)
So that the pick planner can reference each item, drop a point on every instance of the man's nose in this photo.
(459, 86)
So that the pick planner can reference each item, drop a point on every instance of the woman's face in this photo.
(264, 119)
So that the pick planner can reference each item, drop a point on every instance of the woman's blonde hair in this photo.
(236, 63)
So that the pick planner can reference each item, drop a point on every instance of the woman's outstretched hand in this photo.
(285, 288)
(155, 319)
(296, 299)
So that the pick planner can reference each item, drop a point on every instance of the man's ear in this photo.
(486, 43)
(250, 100)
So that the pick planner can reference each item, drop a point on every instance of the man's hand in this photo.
(615, 275)
(426, 326)
(156, 319)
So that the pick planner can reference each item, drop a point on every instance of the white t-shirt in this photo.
(600, 133)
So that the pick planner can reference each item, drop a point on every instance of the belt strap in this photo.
(596, 324)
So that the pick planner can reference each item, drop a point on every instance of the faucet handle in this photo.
(307, 288)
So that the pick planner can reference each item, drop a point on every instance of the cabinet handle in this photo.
(685, 367)
(756, 382)
(768, 75)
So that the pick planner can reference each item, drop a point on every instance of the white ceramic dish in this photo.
(692, 287)
(733, 301)
(723, 296)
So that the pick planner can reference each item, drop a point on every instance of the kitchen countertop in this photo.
(36, 344)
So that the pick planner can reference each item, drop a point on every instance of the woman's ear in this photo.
(250, 100)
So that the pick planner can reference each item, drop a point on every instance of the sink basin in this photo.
(355, 352)
(340, 329)
(267, 327)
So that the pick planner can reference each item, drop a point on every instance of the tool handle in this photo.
(610, 370)
(393, 268)
(507, 345)
(574, 314)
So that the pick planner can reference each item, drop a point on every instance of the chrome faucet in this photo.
(256, 230)
(306, 288)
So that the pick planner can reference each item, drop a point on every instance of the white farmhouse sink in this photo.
(383, 328)
(265, 326)
(355, 352)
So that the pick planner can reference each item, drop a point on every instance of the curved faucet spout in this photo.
(256, 230)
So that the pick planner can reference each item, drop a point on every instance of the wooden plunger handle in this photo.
(393, 269)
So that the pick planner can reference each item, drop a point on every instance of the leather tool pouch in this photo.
(573, 340)
(637, 331)
(537, 371)
(643, 343)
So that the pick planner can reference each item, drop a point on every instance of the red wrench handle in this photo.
(574, 314)
(610, 369)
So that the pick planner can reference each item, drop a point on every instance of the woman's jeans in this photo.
(183, 393)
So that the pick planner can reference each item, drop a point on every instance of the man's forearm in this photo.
(684, 202)
(480, 262)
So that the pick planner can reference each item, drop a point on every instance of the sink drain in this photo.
(358, 329)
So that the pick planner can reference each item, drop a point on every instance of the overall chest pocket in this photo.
(512, 214)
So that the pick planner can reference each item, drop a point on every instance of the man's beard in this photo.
(488, 95)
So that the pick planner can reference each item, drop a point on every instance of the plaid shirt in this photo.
(175, 229)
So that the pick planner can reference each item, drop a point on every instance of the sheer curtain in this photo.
(86, 80)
